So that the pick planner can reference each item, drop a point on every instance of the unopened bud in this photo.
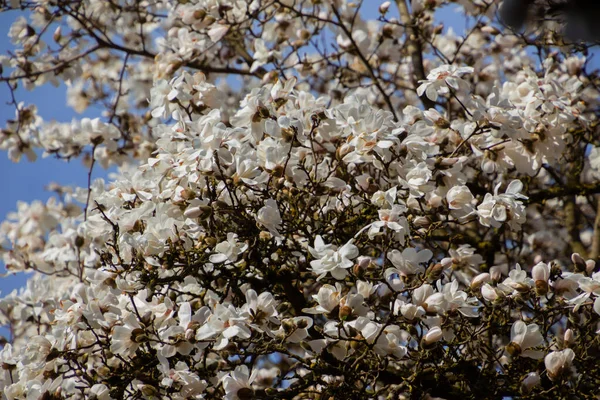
(434, 335)
(531, 380)
(149, 390)
(201, 212)
(138, 335)
(540, 272)
(288, 326)
(434, 271)
(490, 293)
(541, 288)
(421, 222)
(495, 274)
(79, 241)
(384, 7)
(388, 31)
(57, 34)
(199, 14)
(301, 323)
(578, 262)
(479, 280)
(569, 337)
(590, 266)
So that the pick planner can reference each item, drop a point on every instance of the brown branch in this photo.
(415, 50)
(595, 251)
(572, 225)
(554, 192)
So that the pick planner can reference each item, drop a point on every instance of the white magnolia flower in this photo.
(126, 339)
(332, 260)
(459, 198)
(328, 298)
(269, 217)
(409, 261)
(559, 362)
(441, 79)
(523, 337)
(500, 208)
(238, 383)
(228, 250)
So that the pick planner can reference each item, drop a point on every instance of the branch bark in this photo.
(595, 251)
(415, 49)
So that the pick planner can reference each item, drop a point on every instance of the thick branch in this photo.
(553, 192)
(595, 251)
(415, 49)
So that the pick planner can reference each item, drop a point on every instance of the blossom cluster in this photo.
(332, 228)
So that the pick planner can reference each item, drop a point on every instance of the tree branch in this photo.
(415, 49)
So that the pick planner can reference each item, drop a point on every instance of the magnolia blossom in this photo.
(441, 79)
(269, 217)
(459, 198)
(328, 298)
(523, 337)
(499, 208)
(559, 362)
(228, 250)
(238, 383)
(127, 338)
(331, 260)
(410, 261)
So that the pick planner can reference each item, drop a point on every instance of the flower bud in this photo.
(495, 274)
(138, 335)
(490, 293)
(149, 390)
(590, 266)
(558, 363)
(578, 262)
(57, 34)
(540, 272)
(434, 335)
(479, 280)
(569, 336)
(531, 380)
(434, 271)
(384, 7)
(287, 326)
(541, 288)
(301, 323)
(421, 222)
(513, 349)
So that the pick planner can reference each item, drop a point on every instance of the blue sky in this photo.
(26, 181)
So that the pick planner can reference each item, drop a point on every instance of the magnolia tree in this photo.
(315, 200)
